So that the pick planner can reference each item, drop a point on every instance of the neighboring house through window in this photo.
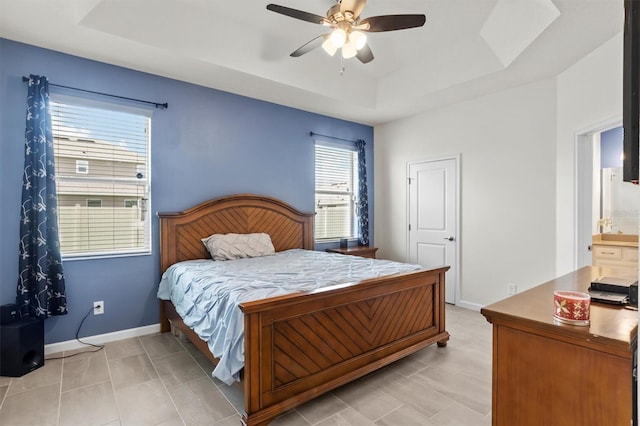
(102, 176)
(336, 174)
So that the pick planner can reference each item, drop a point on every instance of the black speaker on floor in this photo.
(9, 313)
(21, 347)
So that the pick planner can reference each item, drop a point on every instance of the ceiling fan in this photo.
(348, 29)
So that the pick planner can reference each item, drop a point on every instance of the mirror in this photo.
(619, 200)
(619, 203)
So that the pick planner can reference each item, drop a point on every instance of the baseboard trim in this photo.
(469, 305)
(99, 339)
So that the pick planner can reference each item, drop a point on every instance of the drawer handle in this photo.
(608, 252)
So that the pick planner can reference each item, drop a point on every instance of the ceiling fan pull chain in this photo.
(342, 67)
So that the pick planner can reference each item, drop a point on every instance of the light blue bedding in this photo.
(207, 293)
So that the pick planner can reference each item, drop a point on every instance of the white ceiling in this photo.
(467, 48)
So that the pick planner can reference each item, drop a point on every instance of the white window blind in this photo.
(103, 209)
(336, 185)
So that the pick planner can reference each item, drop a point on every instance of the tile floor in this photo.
(159, 380)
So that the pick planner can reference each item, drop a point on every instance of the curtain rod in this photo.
(331, 137)
(156, 104)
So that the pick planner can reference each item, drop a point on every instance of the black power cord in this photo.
(100, 347)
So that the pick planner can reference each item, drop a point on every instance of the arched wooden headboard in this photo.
(180, 233)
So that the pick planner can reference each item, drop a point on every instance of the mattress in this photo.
(207, 293)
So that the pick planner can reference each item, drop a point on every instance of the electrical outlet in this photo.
(512, 288)
(98, 308)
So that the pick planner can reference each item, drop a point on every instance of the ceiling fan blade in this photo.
(365, 55)
(392, 22)
(309, 46)
(298, 14)
(353, 6)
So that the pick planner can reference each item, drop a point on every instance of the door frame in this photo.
(455, 268)
(583, 169)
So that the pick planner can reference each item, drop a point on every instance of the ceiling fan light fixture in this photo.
(329, 47)
(358, 39)
(347, 28)
(349, 50)
(338, 37)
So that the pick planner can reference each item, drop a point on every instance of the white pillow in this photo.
(237, 246)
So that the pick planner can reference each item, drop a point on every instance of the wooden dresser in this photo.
(548, 373)
(363, 251)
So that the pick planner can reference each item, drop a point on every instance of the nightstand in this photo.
(363, 251)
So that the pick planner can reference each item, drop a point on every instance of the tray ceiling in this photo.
(467, 48)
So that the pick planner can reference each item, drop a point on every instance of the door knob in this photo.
(450, 238)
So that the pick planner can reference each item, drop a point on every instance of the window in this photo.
(95, 203)
(82, 167)
(336, 186)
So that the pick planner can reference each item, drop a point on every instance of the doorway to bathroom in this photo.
(605, 205)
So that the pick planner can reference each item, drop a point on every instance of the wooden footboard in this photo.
(300, 346)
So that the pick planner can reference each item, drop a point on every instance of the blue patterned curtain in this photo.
(41, 291)
(363, 201)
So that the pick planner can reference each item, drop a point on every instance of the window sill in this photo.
(73, 258)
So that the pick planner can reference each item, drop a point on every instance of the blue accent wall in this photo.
(611, 144)
(207, 144)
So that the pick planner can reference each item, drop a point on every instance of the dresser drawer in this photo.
(607, 252)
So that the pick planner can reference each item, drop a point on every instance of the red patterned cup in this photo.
(571, 306)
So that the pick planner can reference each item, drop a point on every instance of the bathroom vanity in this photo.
(615, 251)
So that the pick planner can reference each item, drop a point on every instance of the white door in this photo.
(433, 203)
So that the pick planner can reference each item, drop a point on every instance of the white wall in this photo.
(507, 146)
(517, 173)
(589, 94)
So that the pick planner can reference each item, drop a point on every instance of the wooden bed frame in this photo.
(302, 345)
